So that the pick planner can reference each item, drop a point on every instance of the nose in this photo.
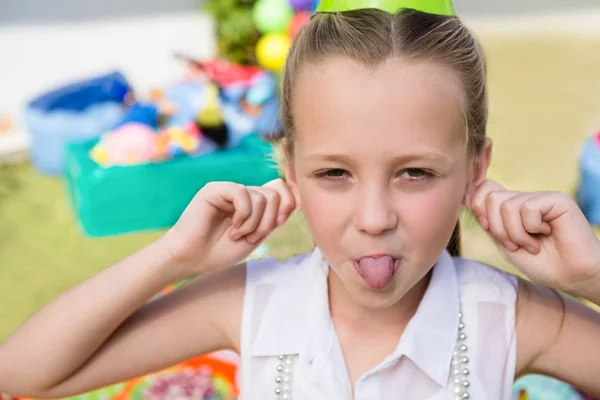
(374, 212)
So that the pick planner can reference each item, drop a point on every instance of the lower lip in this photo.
(396, 267)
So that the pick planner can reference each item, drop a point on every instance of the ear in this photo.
(479, 172)
(290, 172)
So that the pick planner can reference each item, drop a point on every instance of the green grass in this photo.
(544, 97)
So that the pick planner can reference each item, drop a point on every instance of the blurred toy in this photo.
(210, 119)
(176, 141)
(237, 101)
(222, 73)
(256, 111)
(187, 98)
(132, 143)
(538, 387)
(521, 395)
(136, 143)
(214, 107)
(142, 113)
(190, 384)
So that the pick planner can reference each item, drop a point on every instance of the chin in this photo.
(377, 300)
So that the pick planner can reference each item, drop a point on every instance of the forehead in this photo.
(395, 107)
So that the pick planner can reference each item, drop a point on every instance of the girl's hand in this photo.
(225, 222)
(544, 234)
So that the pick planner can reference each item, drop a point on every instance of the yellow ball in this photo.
(272, 50)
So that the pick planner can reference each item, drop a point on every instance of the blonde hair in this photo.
(372, 36)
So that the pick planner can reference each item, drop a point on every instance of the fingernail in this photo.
(281, 219)
(532, 250)
(511, 246)
(484, 223)
(253, 239)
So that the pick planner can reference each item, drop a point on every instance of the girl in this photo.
(385, 117)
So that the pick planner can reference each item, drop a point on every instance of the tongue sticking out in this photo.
(377, 272)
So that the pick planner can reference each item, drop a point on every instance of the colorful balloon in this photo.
(272, 50)
(300, 19)
(301, 5)
(272, 15)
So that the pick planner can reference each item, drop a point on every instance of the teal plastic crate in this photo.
(118, 200)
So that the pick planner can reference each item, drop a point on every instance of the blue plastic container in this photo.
(73, 113)
(588, 192)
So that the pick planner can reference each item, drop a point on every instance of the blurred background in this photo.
(66, 216)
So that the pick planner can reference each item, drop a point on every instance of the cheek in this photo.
(325, 210)
(429, 217)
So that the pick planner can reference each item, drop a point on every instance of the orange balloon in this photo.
(299, 19)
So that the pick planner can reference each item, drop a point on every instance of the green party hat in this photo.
(442, 7)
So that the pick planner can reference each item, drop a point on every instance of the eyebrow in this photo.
(429, 155)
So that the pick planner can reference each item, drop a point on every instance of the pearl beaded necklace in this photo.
(459, 371)
(283, 379)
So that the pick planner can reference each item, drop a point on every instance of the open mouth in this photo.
(377, 271)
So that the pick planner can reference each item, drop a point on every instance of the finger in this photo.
(478, 201)
(510, 211)
(287, 203)
(242, 203)
(538, 211)
(269, 218)
(493, 202)
(229, 198)
(258, 204)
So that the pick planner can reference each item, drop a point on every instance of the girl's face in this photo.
(380, 166)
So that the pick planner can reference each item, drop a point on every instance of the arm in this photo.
(104, 331)
(558, 336)
(547, 237)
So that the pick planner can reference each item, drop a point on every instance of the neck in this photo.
(346, 310)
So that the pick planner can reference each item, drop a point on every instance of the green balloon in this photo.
(443, 7)
(272, 16)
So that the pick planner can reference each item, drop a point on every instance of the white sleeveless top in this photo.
(286, 312)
